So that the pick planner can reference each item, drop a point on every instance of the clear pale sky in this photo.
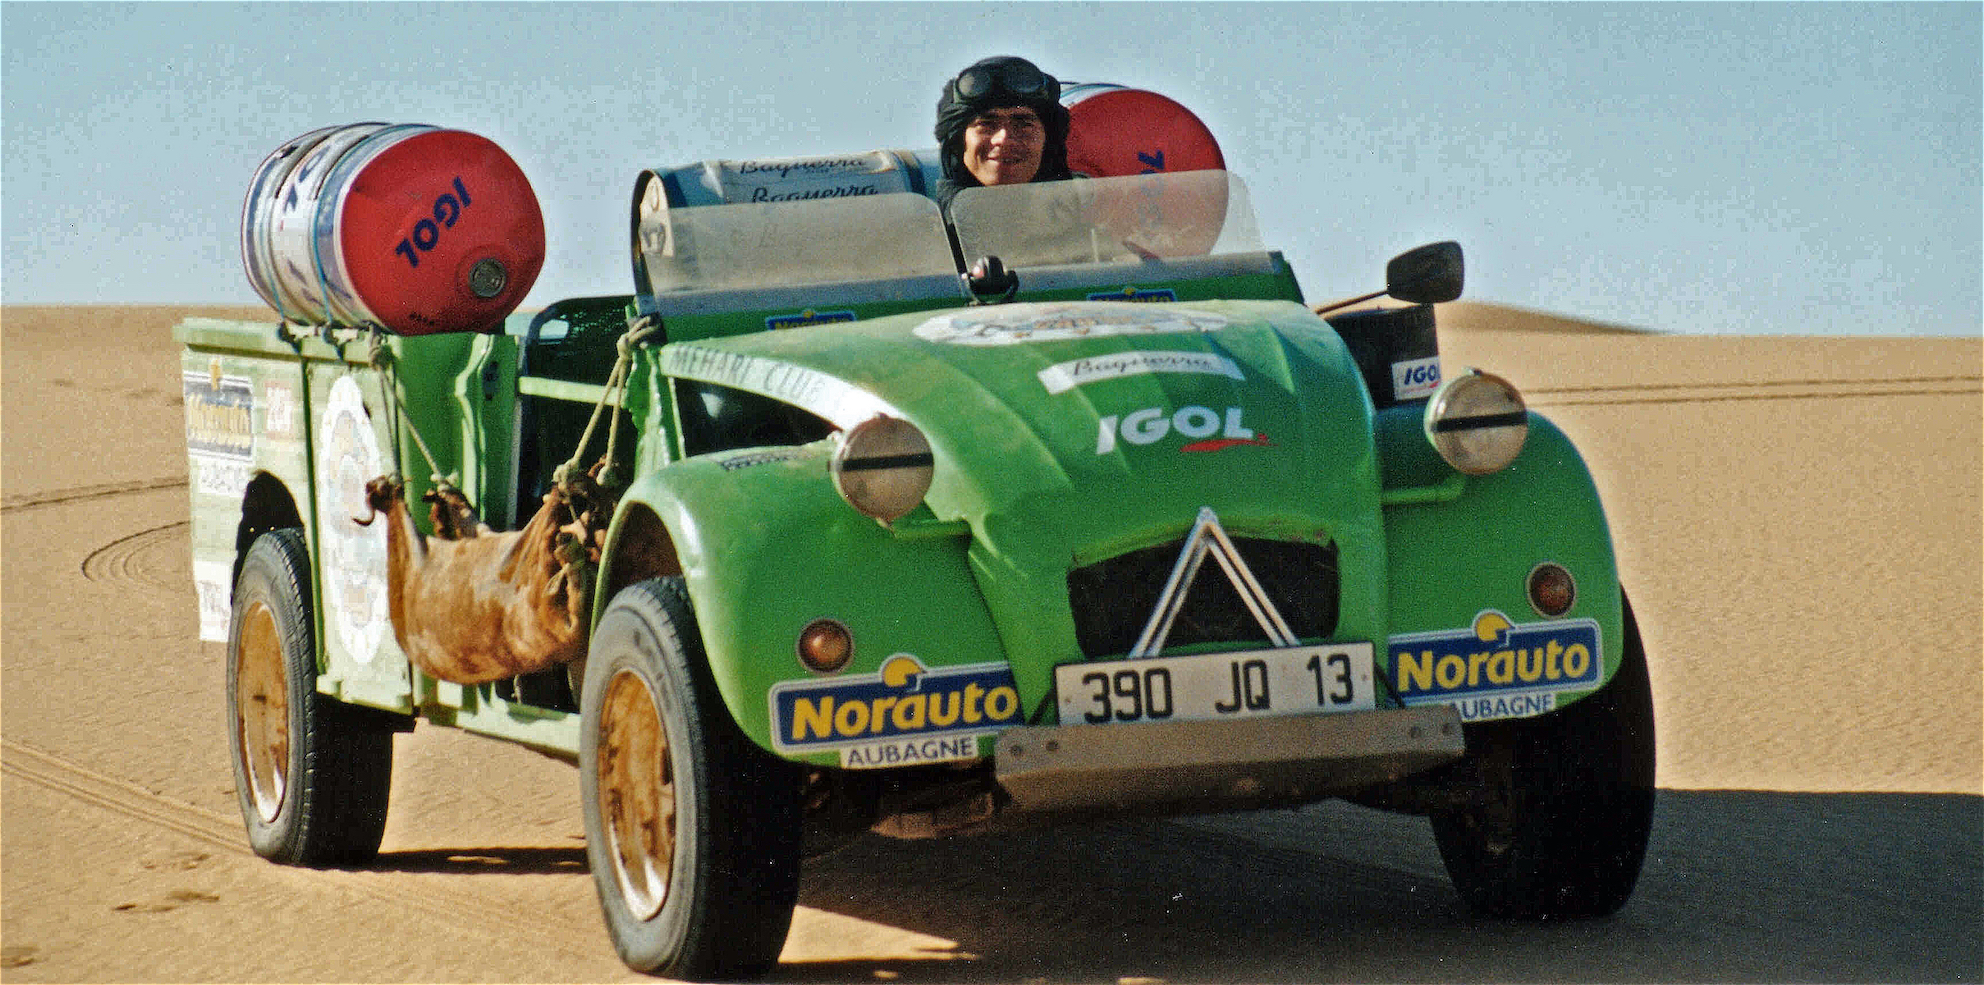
(1702, 168)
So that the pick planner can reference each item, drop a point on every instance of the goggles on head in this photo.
(1017, 78)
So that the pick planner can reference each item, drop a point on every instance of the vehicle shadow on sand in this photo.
(1738, 886)
(470, 861)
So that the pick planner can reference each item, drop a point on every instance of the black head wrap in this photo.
(960, 104)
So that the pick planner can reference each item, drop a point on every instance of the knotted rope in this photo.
(639, 329)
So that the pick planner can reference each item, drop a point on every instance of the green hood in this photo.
(1091, 428)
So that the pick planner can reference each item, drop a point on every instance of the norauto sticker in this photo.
(220, 431)
(807, 317)
(1141, 295)
(1012, 325)
(1496, 669)
(903, 714)
(1062, 377)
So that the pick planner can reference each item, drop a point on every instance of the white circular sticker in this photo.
(354, 568)
(1010, 325)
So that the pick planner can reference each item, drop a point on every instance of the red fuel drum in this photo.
(412, 228)
(1115, 131)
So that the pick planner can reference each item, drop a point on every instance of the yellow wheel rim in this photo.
(261, 710)
(636, 793)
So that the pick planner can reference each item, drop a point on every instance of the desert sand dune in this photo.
(1798, 521)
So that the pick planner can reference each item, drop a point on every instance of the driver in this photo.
(1000, 122)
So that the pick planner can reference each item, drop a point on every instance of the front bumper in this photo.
(1167, 767)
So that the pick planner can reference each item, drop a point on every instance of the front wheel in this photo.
(692, 831)
(1558, 807)
(312, 774)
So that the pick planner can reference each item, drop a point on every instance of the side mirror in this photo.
(1430, 274)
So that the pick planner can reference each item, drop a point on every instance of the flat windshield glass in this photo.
(1104, 220)
(775, 244)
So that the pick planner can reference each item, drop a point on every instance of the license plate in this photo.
(1293, 681)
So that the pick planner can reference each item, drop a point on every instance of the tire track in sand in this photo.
(25, 501)
(25, 762)
(150, 559)
(452, 910)
(1712, 392)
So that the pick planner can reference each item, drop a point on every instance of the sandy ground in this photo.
(1798, 522)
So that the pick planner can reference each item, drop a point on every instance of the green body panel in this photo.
(767, 546)
(1469, 546)
(1046, 482)
(320, 423)
(245, 405)
(1027, 471)
(478, 708)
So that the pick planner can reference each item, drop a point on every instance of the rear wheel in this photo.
(312, 774)
(692, 831)
(1559, 806)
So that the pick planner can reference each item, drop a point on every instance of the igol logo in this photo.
(1497, 659)
(890, 717)
(1415, 378)
(1152, 424)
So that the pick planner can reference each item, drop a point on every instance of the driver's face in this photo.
(1003, 146)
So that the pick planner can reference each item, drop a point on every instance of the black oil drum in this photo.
(1396, 350)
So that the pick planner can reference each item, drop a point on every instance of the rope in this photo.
(381, 355)
(618, 382)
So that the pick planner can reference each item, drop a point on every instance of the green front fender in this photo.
(1461, 553)
(766, 546)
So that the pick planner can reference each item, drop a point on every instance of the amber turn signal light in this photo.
(1551, 590)
(825, 646)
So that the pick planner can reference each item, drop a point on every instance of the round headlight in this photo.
(1477, 422)
(883, 467)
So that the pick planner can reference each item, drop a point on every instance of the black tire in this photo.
(1559, 806)
(708, 892)
(312, 774)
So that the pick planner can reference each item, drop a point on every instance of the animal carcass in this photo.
(471, 605)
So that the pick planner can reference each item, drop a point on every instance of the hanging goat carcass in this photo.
(471, 605)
